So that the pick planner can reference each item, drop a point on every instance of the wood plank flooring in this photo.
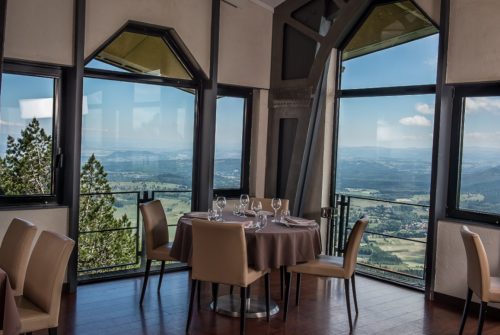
(113, 308)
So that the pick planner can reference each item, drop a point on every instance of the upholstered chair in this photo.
(479, 280)
(267, 204)
(39, 305)
(157, 242)
(333, 267)
(15, 252)
(220, 257)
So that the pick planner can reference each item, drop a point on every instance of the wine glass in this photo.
(221, 203)
(276, 204)
(212, 215)
(244, 200)
(256, 207)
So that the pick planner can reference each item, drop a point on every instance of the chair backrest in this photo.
(478, 269)
(45, 275)
(267, 204)
(155, 225)
(219, 252)
(15, 252)
(352, 247)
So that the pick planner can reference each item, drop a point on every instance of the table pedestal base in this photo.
(256, 307)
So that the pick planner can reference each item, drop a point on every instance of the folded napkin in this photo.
(197, 215)
(250, 212)
(300, 222)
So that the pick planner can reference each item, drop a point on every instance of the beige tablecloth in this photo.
(274, 246)
(9, 317)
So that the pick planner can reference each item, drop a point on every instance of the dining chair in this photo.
(332, 267)
(479, 280)
(267, 204)
(15, 252)
(157, 241)
(39, 305)
(220, 257)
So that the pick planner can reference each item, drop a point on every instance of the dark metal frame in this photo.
(3, 19)
(461, 93)
(56, 73)
(396, 91)
(247, 94)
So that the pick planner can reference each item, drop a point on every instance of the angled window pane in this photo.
(141, 53)
(480, 169)
(386, 26)
(229, 142)
(396, 46)
(26, 118)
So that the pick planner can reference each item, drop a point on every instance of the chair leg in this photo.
(198, 297)
(288, 283)
(282, 282)
(53, 331)
(466, 310)
(162, 269)
(348, 302)
(353, 279)
(231, 288)
(145, 282)
(191, 301)
(215, 294)
(482, 312)
(297, 291)
(268, 296)
(249, 291)
(243, 309)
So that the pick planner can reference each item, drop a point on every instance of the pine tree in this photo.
(100, 249)
(26, 168)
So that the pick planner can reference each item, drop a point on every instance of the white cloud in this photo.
(482, 104)
(424, 108)
(416, 120)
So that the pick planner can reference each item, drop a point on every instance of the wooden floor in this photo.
(112, 308)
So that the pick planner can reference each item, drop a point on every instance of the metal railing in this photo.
(400, 253)
(111, 250)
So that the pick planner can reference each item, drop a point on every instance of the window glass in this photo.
(26, 119)
(141, 53)
(229, 142)
(412, 63)
(480, 169)
(385, 146)
(141, 133)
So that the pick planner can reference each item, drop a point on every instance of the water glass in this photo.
(276, 204)
(261, 220)
(244, 200)
(212, 215)
(236, 209)
(284, 214)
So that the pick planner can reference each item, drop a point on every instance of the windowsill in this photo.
(28, 207)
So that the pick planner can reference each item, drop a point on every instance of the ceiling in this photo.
(272, 3)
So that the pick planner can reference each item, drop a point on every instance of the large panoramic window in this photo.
(384, 145)
(475, 177)
(27, 110)
(232, 142)
(137, 144)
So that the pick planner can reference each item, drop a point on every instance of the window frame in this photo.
(247, 94)
(56, 73)
(461, 93)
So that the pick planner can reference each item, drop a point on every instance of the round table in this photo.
(272, 247)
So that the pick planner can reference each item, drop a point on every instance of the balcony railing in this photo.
(111, 240)
(393, 246)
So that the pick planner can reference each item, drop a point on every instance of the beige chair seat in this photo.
(494, 289)
(32, 315)
(323, 266)
(162, 253)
